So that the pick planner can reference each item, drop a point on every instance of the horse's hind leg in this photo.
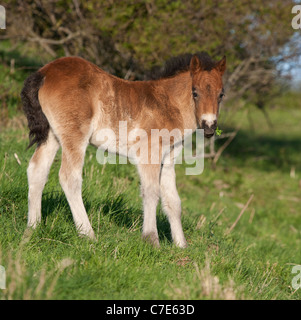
(37, 174)
(71, 181)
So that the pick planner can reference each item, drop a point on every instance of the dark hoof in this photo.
(151, 238)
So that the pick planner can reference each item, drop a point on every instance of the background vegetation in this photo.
(257, 177)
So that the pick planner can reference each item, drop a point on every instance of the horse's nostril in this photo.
(214, 125)
(209, 126)
(204, 125)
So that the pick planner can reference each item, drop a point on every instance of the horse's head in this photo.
(207, 92)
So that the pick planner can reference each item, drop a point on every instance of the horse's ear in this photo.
(221, 65)
(195, 64)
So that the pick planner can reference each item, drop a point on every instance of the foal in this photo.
(68, 101)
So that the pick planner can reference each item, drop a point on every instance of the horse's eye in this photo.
(194, 93)
(221, 96)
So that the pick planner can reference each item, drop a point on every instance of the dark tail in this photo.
(37, 122)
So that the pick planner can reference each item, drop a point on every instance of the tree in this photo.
(129, 37)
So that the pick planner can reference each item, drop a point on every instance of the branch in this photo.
(239, 216)
(56, 42)
(223, 147)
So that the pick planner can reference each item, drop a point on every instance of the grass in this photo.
(252, 260)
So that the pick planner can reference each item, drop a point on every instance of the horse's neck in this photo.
(179, 89)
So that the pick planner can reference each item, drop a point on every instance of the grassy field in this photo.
(251, 259)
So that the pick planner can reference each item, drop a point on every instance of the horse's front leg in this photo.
(150, 191)
(171, 204)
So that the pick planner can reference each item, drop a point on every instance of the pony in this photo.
(69, 100)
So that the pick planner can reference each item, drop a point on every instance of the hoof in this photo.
(182, 245)
(27, 235)
(87, 234)
(151, 238)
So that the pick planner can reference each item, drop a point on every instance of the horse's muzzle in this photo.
(209, 130)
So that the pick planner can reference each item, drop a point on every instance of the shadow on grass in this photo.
(267, 153)
(55, 201)
(124, 214)
(117, 207)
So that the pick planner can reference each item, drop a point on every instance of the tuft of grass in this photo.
(206, 286)
(22, 282)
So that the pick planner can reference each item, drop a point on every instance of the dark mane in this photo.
(180, 64)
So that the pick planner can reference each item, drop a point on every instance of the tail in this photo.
(37, 122)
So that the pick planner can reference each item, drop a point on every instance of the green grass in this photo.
(254, 261)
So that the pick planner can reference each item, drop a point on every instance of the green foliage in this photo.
(14, 68)
(129, 38)
(149, 32)
(218, 131)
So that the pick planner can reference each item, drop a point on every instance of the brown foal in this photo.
(68, 101)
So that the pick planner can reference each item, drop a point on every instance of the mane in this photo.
(180, 64)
